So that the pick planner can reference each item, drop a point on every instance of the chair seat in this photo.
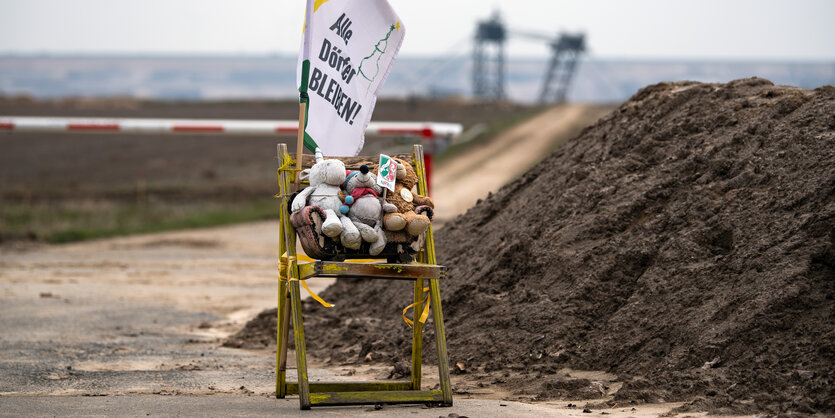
(373, 270)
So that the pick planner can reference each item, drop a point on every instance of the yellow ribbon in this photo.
(315, 296)
(286, 167)
(283, 268)
(425, 313)
(285, 265)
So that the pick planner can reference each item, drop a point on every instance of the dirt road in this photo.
(460, 181)
(145, 315)
(141, 314)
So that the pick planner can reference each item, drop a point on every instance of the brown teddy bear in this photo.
(399, 207)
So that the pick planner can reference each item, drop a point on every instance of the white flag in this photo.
(348, 48)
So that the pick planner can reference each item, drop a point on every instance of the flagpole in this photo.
(304, 79)
(300, 143)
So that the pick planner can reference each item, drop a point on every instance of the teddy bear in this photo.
(326, 177)
(364, 207)
(399, 205)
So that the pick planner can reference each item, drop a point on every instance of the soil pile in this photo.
(683, 243)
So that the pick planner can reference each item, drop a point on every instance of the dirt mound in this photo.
(259, 332)
(683, 243)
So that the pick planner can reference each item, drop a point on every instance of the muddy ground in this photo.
(132, 326)
(683, 245)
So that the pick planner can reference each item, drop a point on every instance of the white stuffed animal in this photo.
(325, 178)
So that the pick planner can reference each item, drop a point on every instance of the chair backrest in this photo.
(354, 163)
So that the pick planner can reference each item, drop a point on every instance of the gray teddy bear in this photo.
(364, 207)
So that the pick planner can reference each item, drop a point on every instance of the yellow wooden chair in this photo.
(289, 302)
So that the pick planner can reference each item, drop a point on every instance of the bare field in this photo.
(68, 187)
(47, 165)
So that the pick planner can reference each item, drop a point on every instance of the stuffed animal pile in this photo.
(357, 209)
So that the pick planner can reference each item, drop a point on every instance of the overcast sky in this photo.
(667, 29)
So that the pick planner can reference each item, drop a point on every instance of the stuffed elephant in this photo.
(326, 177)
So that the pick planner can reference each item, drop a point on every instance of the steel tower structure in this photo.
(488, 59)
(565, 51)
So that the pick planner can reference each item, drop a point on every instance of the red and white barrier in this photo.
(209, 126)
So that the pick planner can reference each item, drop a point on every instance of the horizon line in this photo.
(273, 55)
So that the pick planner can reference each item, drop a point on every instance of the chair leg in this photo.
(417, 336)
(282, 336)
(440, 339)
(301, 353)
